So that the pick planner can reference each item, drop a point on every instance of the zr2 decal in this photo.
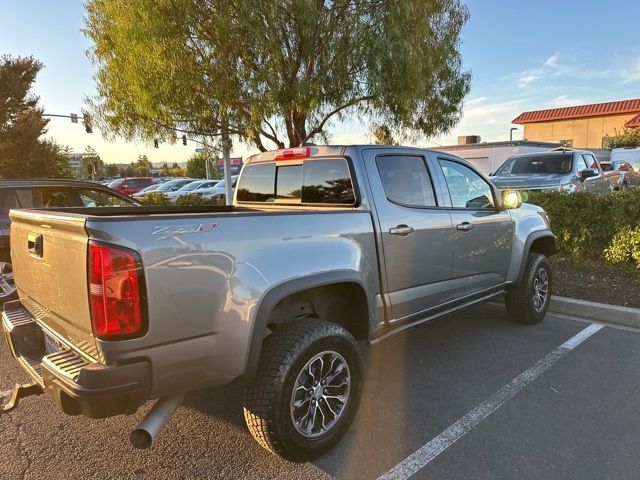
(181, 229)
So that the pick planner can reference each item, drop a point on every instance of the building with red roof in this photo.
(580, 126)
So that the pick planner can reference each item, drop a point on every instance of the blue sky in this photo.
(523, 55)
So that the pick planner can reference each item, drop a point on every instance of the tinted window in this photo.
(258, 183)
(559, 164)
(99, 198)
(289, 182)
(466, 188)
(327, 181)
(406, 180)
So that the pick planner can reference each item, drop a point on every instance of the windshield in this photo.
(555, 164)
(166, 186)
(116, 183)
(190, 186)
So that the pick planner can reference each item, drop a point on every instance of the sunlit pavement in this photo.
(578, 419)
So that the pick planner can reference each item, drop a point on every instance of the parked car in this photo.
(561, 169)
(45, 194)
(169, 186)
(317, 253)
(196, 186)
(146, 190)
(627, 154)
(622, 174)
(131, 185)
(220, 189)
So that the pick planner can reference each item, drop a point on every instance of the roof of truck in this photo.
(16, 182)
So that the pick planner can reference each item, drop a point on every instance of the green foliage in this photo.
(192, 200)
(154, 198)
(275, 71)
(625, 247)
(383, 136)
(629, 137)
(22, 152)
(586, 224)
(196, 165)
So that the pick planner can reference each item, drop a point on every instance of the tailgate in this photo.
(49, 256)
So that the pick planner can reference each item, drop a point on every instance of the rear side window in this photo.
(47, 197)
(406, 180)
(325, 181)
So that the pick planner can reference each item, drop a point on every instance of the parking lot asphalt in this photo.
(577, 419)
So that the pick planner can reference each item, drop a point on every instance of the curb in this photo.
(598, 312)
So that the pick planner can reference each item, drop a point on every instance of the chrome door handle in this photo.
(402, 230)
(464, 226)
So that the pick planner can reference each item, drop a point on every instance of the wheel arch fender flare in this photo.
(278, 292)
(527, 248)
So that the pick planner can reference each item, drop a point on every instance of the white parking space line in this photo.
(455, 432)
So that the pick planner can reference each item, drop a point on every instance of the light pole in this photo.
(511, 133)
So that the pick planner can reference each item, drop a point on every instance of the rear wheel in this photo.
(528, 301)
(8, 289)
(307, 389)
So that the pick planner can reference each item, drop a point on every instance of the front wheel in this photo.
(307, 389)
(528, 301)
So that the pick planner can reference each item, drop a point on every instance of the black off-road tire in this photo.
(5, 257)
(267, 398)
(520, 297)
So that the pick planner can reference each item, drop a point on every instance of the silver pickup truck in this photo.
(325, 248)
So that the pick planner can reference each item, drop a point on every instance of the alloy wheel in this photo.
(320, 394)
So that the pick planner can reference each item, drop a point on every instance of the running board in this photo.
(442, 313)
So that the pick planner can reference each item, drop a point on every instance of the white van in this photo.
(627, 154)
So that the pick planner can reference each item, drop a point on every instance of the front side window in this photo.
(467, 189)
(582, 163)
(406, 180)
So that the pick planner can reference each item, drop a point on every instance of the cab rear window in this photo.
(315, 182)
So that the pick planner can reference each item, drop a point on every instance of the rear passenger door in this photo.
(416, 232)
(482, 235)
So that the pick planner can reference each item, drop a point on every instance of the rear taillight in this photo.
(115, 292)
(297, 153)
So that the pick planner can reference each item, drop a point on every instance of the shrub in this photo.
(193, 200)
(154, 198)
(586, 224)
(625, 247)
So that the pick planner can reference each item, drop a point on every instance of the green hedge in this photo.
(587, 225)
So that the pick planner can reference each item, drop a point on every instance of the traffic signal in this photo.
(184, 139)
(74, 117)
(155, 143)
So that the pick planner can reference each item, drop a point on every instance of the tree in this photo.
(196, 165)
(142, 166)
(275, 72)
(383, 135)
(111, 170)
(91, 159)
(629, 137)
(22, 152)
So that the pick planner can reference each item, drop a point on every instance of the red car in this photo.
(131, 185)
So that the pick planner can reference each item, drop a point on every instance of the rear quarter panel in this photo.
(205, 276)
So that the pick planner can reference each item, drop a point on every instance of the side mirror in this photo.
(588, 173)
(511, 199)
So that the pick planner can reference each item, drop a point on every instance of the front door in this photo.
(482, 235)
(415, 232)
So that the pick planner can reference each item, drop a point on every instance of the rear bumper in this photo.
(77, 384)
